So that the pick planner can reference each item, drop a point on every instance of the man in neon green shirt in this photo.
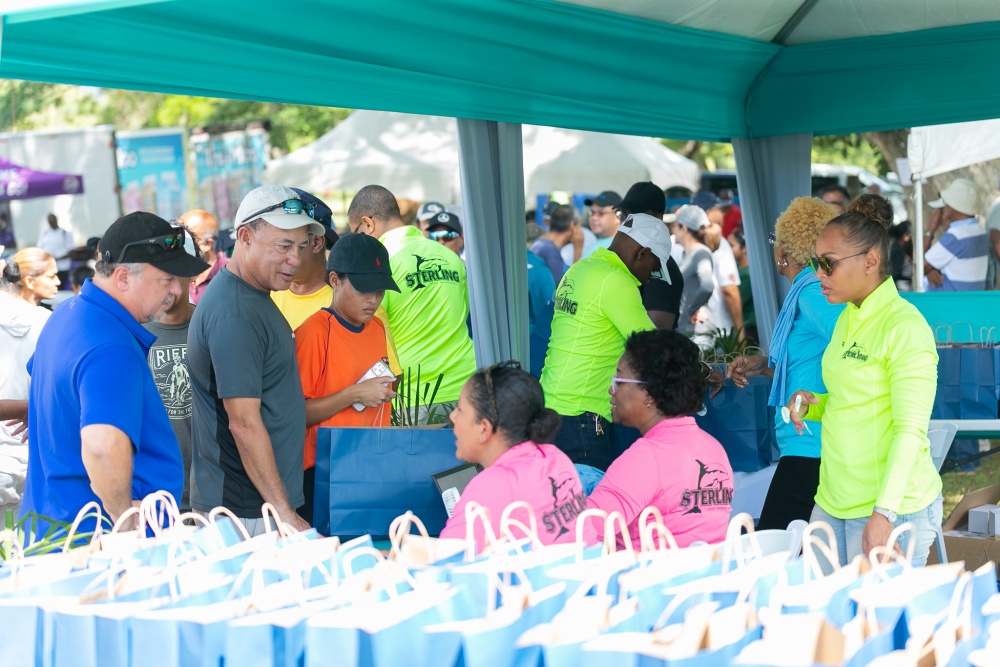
(597, 307)
(428, 315)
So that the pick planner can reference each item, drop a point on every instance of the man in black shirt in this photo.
(662, 299)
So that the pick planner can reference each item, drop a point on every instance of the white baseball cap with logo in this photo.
(652, 233)
(278, 206)
(962, 195)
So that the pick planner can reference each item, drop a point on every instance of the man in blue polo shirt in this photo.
(99, 431)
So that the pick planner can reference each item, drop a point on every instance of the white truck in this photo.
(88, 152)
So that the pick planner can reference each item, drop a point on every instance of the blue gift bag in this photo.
(366, 477)
(968, 383)
(743, 422)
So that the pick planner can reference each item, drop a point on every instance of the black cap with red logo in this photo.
(365, 261)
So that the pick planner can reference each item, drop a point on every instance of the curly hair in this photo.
(800, 225)
(521, 414)
(670, 364)
(867, 225)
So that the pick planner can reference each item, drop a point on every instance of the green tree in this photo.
(26, 105)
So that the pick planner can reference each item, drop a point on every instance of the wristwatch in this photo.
(888, 514)
(928, 235)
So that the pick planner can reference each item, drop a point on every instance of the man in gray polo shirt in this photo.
(249, 411)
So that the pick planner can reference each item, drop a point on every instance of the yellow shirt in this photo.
(298, 308)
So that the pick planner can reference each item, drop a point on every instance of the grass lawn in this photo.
(957, 484)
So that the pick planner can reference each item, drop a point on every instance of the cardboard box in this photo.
(994, 527)
(979, 519)
(961, 544)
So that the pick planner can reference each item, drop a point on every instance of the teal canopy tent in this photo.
(766, 75)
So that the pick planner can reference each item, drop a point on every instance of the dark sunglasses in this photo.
(291, 206)
(169, 242)
(443, 235)
(826, 265)
(488, 375)
(771, 238)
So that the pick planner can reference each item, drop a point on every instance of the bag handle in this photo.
(194, 516)
(80, 516)
(610, 536)
(400, 528)
(214, 514)
(734, 541)
(284, 530)
(882, 556)
(988, 336)
(155, 510)
(473, 511)
(507, 522)
(647, 531)
(939, 340)
(120, 523)
(811, 544)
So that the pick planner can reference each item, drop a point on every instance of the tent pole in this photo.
(918, 234)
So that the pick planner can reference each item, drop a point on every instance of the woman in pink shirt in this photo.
(675, 466)
(500, 421)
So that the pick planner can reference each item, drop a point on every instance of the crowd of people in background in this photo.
(203, 361)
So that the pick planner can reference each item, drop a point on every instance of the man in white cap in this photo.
(958, 261)
(249, 418)
(597, 307)
(427, 211)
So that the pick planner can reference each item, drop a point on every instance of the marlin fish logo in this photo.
(420, 283)
(712, 488)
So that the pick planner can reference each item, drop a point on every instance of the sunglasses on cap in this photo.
(488, 375)
(169, 242)
(443, 235)
(826, 265)
(291, 206)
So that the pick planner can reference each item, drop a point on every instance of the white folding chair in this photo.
(941, 439)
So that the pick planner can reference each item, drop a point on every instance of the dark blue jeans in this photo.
(622, 438)
(586, 439)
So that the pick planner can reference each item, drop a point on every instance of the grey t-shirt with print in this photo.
(168, 362)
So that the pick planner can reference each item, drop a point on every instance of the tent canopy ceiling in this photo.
(698, 69)
(417, 158)
(817, 21)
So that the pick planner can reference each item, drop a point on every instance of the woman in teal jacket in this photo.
(801, 335)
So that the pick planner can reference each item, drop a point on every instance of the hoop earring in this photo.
(783, 263)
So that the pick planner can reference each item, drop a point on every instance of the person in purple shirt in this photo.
(564, 228)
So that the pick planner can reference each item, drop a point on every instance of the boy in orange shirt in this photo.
(337, 346)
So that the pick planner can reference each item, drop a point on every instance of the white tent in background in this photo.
(417, 158)
(937, 149)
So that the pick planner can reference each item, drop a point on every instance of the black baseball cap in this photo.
(644, 197)
(606, 198)
(365, 261)
(321, 214)
(445, 219)
(145, 238)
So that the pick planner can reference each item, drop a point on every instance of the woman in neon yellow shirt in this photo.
(880, 371)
